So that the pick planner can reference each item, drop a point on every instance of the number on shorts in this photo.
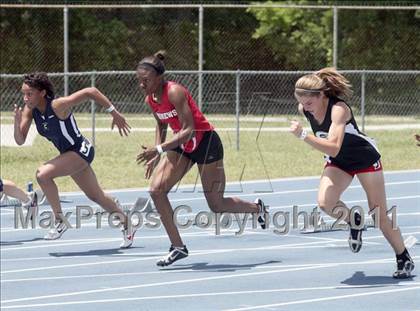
(85, 148)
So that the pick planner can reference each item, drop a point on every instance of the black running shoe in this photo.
(404, 268)
(175, 253)
(263, 213)
(355, 238)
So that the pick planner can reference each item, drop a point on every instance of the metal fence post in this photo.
(66, 49)
(200, 56)
(93, 108)
(362, 97)
(335, 35)
(238, 107)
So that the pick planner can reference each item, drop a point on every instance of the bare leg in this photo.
(333, 183)
(10, 189)
(169, 171)
(88, 183)
(63, 165)
(213, 180)
(374, 186)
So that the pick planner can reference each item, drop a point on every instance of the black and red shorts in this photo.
(375, 167)
(208, 151)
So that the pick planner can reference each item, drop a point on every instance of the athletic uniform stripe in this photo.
(350, 129)
(65, 133)
(194, 141)
(73, 123)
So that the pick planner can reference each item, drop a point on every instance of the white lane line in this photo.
(381, 236)
(305, 301)
(265, 193)
(93, 241)
(347, 263)
(345, 201)
(328, 244)
(184, 281)
(203, 252)
(107, 240)
(138, 273)
(230, 183)
(9, 229)
(105, 275)
(217, 294)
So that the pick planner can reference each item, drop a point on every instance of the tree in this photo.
(299, 38)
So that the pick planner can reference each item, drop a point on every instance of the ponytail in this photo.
(336, 84)
(327, 80)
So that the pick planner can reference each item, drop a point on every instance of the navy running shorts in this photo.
(85, 150)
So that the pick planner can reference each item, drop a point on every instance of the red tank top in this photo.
(167, 113)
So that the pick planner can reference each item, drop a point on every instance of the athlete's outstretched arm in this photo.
(23, 120)
(63, 105)
(340, 114)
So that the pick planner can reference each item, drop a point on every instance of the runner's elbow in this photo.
(19, 140)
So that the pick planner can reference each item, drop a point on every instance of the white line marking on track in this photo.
(217, 294)
(92, 241)
(367, 262)
(203, 252)
(390, 291)
(184, 281)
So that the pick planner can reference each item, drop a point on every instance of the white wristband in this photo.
(110, 109)
(159, 149)
(303, 134)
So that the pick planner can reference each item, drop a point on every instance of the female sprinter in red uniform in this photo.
(195, 141)
(348, 152)
(54, 120)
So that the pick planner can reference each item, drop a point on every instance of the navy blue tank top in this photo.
(358, 151)
(64, 134)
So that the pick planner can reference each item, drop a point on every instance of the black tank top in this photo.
(357, 151)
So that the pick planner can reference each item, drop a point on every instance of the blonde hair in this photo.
(327, 80)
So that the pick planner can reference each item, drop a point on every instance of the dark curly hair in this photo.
(39, 81)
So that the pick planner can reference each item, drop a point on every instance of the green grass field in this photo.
(279, 154)
(84, 120)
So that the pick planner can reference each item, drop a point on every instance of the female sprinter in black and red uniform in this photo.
(349, 152)
(195, 141)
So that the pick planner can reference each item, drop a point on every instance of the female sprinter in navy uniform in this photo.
(348, 152)
(195, 141)
(54, 121)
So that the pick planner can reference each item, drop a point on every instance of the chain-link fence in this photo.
(238, 93)
(273, 36)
